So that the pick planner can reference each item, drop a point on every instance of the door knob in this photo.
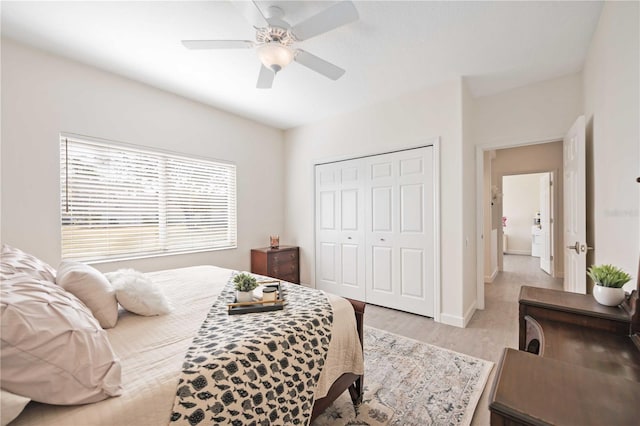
(575, 247)
(579, 248)
(381, 239)
(348, 238)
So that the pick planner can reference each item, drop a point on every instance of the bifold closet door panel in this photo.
(399, 230)
(374, 229)
(340, 264)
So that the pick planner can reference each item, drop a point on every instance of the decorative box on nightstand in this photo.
(281, 263)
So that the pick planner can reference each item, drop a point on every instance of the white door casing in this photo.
(575, 229)
(545, 222)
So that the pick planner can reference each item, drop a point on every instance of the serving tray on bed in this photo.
(236, 308)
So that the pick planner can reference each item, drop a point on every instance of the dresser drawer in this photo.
(283, 258)
(291, 278)
(285, 269)
(281, 263)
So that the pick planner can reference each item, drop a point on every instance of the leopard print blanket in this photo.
(255, 369)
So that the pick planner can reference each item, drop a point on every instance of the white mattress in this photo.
(152, 349)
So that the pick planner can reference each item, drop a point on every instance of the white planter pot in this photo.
(244, 296)
(608, 296)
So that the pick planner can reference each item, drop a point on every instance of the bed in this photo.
(152, 350)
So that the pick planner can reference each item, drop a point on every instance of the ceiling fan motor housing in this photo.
(274, 51)
(275, 34)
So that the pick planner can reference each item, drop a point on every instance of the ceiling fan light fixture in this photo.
(275, 56)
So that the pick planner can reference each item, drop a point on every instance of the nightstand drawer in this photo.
(281, 263)
(292, 278)
(283, 258)
(285, 269)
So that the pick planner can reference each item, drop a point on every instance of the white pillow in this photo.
(11, 406)
(92, 288)
(14, 261)
(137, 293)
(53, 350)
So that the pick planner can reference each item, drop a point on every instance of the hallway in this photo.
(523, 270)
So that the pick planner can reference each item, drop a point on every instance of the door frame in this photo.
(480, 150)
(553, 219)
(435, 143)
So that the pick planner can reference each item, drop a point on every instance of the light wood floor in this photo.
(488, 332)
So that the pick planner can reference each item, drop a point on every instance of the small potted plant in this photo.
(244, 284)
(608, 281)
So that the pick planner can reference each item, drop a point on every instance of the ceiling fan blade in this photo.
(217, 44)
(335, 16)
(318, 65)
(251, 12)
(265, 78)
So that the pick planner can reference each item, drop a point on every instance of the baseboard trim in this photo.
(469, 314)
(520, 252)
(458, 321)
(489, 279)
(453, 320)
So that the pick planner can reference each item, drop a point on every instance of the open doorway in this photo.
(565, 156)
(527, 215)
(524, 230)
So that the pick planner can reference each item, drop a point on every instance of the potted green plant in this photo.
(608, 281)
(244, 285)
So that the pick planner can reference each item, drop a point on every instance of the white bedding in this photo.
(152, 349)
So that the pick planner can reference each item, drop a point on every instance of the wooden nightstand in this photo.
(282, 263)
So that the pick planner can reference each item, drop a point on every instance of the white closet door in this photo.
(340, 257)
(399, 230)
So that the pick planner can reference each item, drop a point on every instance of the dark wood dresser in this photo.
(282, 263)
(578, 363)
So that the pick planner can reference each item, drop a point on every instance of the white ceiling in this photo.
(395, 47)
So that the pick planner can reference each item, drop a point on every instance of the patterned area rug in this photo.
(408, 382)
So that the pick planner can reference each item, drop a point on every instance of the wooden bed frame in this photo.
(352, 382)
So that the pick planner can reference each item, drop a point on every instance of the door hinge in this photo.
(550, 183)
(551, 257)
(551, 220)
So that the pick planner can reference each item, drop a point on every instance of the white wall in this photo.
(520, 202)
(612, 111)
(538, 112)
(469, 234)
(405, 121)
(43, 95)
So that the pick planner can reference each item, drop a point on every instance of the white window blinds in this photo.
(121, 202)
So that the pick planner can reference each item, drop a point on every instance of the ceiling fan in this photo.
(275, 39)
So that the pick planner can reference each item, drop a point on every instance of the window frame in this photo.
(161, 210)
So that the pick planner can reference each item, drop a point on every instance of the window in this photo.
(121, 202)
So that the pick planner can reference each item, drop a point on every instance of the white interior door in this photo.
(575, 232)
(545, 222)
(340, 258)
(399, 231)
